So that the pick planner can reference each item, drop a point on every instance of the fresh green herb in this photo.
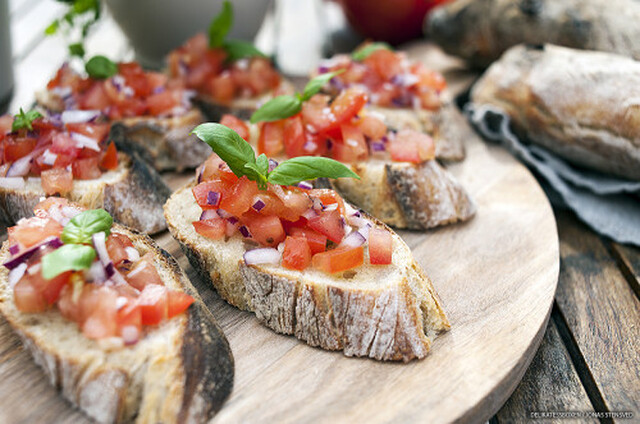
(25, 120)
(365, 51)
(70, 257)
(81, 15)
(240, 157)
(221, 25)
(100, 67)
(84, 225)
(218, 31)
(283, 107)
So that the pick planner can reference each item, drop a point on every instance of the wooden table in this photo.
(589, 358)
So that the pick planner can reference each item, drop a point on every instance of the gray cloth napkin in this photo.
(609, 205)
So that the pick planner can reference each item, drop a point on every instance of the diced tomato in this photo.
(95, 131)
(34, 230)
(262, 76)
(178, 302)
(353, 147)
(209, 193)
(316, 112)
(86, 169)
(156, 79)
(135, 78)
(385, 63)
(56, 181)
(223, 88)
(294, 138)
(372, 127)
(63, 143)
(153, 303)
(339, 259)
(68, 308)
(317, 242)
(164, 102)
(266, 230)
(272, 203)
(428, 78)
(380, 246)
(95, 97)
(28, 298)
(271, 139)
(109, 159)
(296, 254)
(329, 224)
(50, 202)
(99, 310)
(240, 197)
(214, 228)
(116, 247)
(214, 168)
(347, 105)
(328, 197)
(144, 273)
(129, 320)
(238, 125)
(6, 122)
(411, 146)
(50, 289)
(16, 148)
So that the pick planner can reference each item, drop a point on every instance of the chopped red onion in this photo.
(272, 164)
(13, 249)
(310, 213)
(16, 274)
(130, 334)
(224, 214)
(305, 185)
(97, 272)
(265, 255)
(231, 227)
(110, 269)
(20, 167)
(84, 141)
(323, 69)
(159, 89)
(244, 231)
(353, 239)
(258, 205)
(331, 207)
(132, 253)
(213, 198)
(12, 263)
(200, 173)
(99, 243)
(209, 214)
(48, 157)
(377, 146)
(329, 144)
(79, 116)
(310, 146)
(317, 204)
(232, 220)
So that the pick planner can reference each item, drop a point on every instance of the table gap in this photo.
(625, 267)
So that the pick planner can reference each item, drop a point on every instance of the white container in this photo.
(155, 27)
(6, 64)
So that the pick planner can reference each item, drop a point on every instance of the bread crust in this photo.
(581, 105)
(133, 194)
(396, 321)
(405, 195)
(180, 371)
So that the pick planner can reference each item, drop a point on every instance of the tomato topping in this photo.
(294, 135)
(209, 193)
(116, 248)
(214, 228)
(86, 169)
(372, 127)
(385, 63)
(329, 224)
(412, 146)
(28, 297)
(99, 312)
(95, 131)
(153, 303)
(236, 124)
(144, 273)
(34, 230)
(223, 88)
(348, 104)
(16, 148)
(296, 254)
(109, 160)
(163, 103)
(380, 246)
(271, 140)
(339, 259)
(129, 320)
(178, 302)
(353, 147)
(316, 241)
(239, 198)
(57, 181)
(266, 230)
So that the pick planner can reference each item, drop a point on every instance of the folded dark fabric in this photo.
(609, 205)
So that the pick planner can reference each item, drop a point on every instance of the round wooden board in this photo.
(496, 276)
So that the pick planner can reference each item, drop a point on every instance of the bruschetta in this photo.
(76, 159)
(111, 318)
(405, 93)
(303, 260)
(401, 183)
(148, 112)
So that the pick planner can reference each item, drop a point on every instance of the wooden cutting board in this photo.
(496, 276)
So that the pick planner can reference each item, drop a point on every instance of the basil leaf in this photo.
(237, 49)
(263, 164)
(24, 120)
(220, 25)
(255, 175)
(280, 107)
(231, 148)
(99, 67)
(364, 52)
(313, 87)
(305, 168)
(84, 225)
(70, 257)
(76, 49)
(52, 28)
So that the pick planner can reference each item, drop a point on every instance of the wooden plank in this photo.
(602, 315)
(551, 384)
(628, 258)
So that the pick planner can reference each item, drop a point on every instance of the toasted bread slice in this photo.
(446, 126)
(179, 371)
(388, 312)
(133, 194)
(407, 195)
